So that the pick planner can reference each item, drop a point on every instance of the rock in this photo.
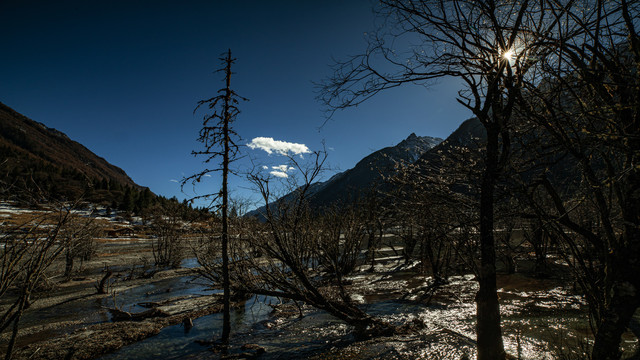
(255, 347)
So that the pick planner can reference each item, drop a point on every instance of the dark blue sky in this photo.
(123, 78)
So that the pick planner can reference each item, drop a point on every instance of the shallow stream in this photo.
(81, 311)
(542, 319)
(539, 318)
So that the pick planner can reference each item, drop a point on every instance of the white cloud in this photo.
(206, 175)
(279, 174)
(283, 168)
(281, 171)
(173, 180)
(279, 147)
(265, 167)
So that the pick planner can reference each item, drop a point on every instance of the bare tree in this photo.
(486, 44)
(28, 250)
(492, 46)
(373, 215)
(509, 221)
(220, 141)
(437, 200)
(79, 240)
(167, 246)
(588, 104)
(303, 256)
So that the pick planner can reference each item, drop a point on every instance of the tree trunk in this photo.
(226, 296)
(615, 320)
(23, 304)
(539, 248)
(626, 291)
(68, 268)
(510, 263)
(490, 346)
(371, 250)
(104, 282)
(626, 266)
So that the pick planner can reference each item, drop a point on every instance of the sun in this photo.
(508, 55)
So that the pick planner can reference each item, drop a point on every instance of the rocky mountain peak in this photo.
(415, 145)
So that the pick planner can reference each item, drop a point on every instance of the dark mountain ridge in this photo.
(35, 155)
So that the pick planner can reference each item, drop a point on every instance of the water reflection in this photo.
(174, 342)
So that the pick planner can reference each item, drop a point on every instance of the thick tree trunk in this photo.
(626, 291)
(615, 320)
(490, 345)
(626, 266)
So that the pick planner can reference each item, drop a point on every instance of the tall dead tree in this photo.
(489, 45)
(220, 141)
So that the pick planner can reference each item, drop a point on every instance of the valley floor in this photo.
(542, 318)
